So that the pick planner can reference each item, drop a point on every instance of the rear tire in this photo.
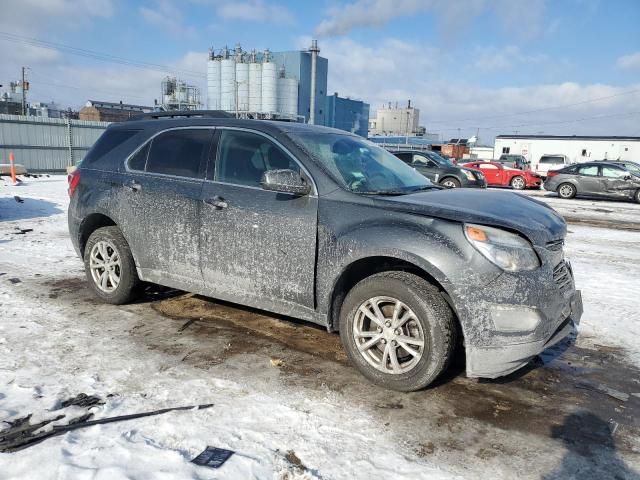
(403, 350)
(518, 183)
(450, 182)
(110, 268)
(566, 191)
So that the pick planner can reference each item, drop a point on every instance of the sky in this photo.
(488, 66)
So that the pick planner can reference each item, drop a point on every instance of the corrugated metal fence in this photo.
(46, 144)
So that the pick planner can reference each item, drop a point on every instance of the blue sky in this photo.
(466, 64)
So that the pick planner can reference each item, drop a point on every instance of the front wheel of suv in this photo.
(109, 266)
(450, 182)
(397, 330)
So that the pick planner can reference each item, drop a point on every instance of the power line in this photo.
(104, 57)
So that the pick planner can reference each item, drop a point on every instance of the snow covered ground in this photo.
(306, 414)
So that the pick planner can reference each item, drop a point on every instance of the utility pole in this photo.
(24, 94)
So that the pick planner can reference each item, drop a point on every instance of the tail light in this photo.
(552, 173)
(74, 179)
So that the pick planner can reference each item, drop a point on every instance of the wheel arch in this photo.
(449, 175)
(364, 267)
(89, 225)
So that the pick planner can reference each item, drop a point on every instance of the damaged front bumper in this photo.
(497, 361)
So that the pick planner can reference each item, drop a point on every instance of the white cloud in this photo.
(629, 61)
(494, 59)
(166, 15)
(255, 11)
(379, 73)
(525, 18)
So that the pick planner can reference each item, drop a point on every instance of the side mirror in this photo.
(285, 181)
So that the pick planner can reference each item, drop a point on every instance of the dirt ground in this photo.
(575, 396)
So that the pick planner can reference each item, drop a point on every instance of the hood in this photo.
(533, 219)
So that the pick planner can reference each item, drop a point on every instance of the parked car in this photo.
(497, 175)
(440, 170)
(514, 161)
(325, 226)
(600, 178)
(550, 162)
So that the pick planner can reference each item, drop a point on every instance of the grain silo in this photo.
(227, 81)
(213, 81)
(287, 94)
(269, 85)
(242, 83)
(255, 83)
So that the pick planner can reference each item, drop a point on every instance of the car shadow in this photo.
(591, 450)
(18, 208)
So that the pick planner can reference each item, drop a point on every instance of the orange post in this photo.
(12, 168)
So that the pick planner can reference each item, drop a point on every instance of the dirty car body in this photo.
(214, 224)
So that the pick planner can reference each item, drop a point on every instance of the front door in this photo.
(258, 246)
(491, 173)
(168, 188)
(616, 181)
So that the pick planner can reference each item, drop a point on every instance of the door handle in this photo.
(133, 186)
(217, 202)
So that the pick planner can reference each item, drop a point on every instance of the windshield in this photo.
(361, 166)
(440, 160)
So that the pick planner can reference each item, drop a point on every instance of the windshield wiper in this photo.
(383, 192)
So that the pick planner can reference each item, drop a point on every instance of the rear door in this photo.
(167, 187)
(426, 167)
(258, 246)
(588, 180)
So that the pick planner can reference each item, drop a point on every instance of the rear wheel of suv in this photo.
(109, 266)
(450, 182)
(397, 330)
(566, 190)
(518, 183)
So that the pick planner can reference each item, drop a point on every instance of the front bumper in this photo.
(497, 361)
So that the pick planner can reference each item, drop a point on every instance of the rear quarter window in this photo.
(108, 141)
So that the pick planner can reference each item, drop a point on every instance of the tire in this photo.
(111, 241)
(566, 190)
(450, 182)
(518, 183)
(432, 321)
(636, 197)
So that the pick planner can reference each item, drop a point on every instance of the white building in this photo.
(395, 121)
(576, 148)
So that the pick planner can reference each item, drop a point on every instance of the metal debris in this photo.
(618, 395)
(213, 457)
(81, 400)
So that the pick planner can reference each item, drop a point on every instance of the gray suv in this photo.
(325, 226)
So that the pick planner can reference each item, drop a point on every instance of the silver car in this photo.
(613, 179)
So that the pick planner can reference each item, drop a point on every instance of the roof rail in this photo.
(183, 114)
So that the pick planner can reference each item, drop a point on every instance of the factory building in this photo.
(178, 95)
(395, 121)
(576, 148)
(98, 111)
(279, 85)
(347, 114)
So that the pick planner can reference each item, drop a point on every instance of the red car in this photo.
(497, 175)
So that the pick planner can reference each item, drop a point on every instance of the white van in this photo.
(550, 162)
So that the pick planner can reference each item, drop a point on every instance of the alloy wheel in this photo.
(566, 191)
(518, 183)
(105, 266)
(388, 335)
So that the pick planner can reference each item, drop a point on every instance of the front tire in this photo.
(450, 182)
(567, 191)
(518, 183)
(109, 266)
(397, 330)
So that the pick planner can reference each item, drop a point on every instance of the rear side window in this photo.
(139, 160)
(405, 157)
(552, 160)
(180, 153)
(109, 140)
(589, 170)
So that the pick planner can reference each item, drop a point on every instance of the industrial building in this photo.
(176, 94)
(576, 148)
(347, 114)
(98, 111)
(396, 121)
(288, 85)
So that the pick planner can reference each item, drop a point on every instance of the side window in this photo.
(139, 160)
(244, 156)
(613, 172)
(588, 170)
(488, 166)
(180, 152)
(109, 140)
(405, 157)
(422, 160)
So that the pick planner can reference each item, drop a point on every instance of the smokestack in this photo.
(409, 104)
(314, 60)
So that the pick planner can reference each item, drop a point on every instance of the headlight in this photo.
(469, 174)
(507, 250)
